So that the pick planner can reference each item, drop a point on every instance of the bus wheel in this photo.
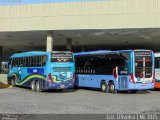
(38, 89)
(104, 87)
(13, 82)
(33, 86)
(9, 82)
(112, 88)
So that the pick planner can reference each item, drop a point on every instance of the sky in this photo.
(15, 2)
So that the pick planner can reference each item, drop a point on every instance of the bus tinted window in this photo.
(43, 60)
(61, 57)
(35, 61)
(101, 64)
(157, 62)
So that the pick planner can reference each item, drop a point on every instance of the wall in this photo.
(79, 14)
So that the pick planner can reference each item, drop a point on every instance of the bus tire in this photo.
(9, 81)
(112, 87)
(33, 86)
(104, 87)
(13, 82)
(38, 89)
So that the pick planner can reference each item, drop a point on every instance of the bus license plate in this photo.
(62, 86)
(143, 86)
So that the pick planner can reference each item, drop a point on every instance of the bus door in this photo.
(21, 71)
(122, 78)
(16, 70)
(120, 75)
(143, 66)
(123, 70)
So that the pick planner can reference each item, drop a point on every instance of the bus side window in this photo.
(157, 63)
(13, 62)
(21, 63)
(34, 61)
(44, 60)
(30, 61)
(26, 61)
(39, 61)
(16, 62)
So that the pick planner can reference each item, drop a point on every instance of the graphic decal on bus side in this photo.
(36, 76)
(33, 76)
(55, 79)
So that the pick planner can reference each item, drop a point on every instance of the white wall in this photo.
(109, 14)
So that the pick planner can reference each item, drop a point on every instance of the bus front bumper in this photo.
(52, 86)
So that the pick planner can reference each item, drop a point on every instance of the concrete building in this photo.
(78, 25)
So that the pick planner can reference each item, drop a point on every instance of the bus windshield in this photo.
(143, 63)
(61, 57)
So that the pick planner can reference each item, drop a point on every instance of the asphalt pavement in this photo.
(19, 100)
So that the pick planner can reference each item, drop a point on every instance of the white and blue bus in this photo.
(112, 71)
(42, 70)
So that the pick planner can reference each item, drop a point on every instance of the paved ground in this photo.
(22, 100)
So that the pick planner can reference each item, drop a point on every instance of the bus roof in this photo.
(107, 51)
(33, 53)
(134, 50)
(94, 52)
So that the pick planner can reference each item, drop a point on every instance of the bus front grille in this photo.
(62, 69)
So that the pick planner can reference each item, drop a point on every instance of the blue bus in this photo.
(42, 70)
(113, 71)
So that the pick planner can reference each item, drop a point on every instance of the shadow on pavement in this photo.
(156, 89)
(61, 91)
(51, 91)
(120, 92)
(138, 92)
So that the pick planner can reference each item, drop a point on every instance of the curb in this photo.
(4, 86)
